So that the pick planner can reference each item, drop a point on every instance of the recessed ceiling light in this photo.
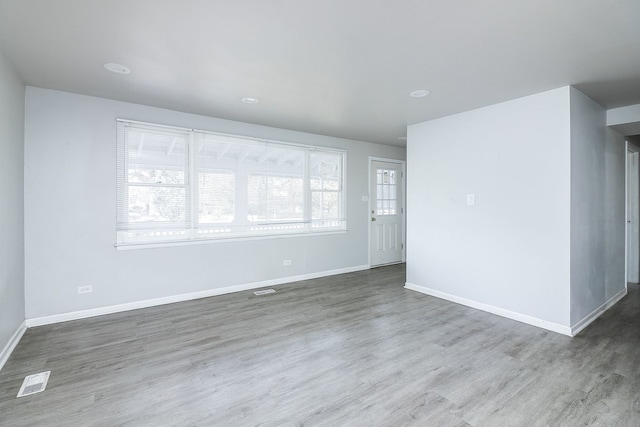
(250, 100)
(117, 68)
(402, 138)
(421, 93)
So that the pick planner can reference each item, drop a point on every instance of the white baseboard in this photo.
(83, 314)
(534, 321)
(11, 345)
(586, 321)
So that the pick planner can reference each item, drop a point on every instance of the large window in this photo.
(180, 185)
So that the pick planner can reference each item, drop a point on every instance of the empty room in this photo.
(337, 213)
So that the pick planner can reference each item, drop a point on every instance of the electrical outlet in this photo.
(286, 262)
(85, 289)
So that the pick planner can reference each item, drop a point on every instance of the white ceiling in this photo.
(334, 67)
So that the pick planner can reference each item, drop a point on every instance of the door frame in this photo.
(630, 150)
(403, 182)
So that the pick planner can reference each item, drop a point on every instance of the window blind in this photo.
(180, 184)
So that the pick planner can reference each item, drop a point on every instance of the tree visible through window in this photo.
(273, 197)
(216, 197)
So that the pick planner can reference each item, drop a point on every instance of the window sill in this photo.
(172, 243)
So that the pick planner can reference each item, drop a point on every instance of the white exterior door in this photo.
(386, 236)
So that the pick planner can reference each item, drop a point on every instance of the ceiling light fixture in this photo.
(421, 93)
(117, 68)
(402, 138)
(250, 100)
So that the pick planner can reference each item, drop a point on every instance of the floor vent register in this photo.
(34, 384)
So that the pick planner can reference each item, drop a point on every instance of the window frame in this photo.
(239, 229)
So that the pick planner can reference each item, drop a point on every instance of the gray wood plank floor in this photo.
(349, 350)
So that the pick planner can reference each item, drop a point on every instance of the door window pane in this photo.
(386, 192)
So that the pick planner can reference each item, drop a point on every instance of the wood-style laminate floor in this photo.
(349, 350)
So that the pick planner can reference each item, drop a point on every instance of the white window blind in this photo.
(326, 189)
(154, 191)
(180, 184)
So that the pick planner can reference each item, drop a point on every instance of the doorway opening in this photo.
(633, 214)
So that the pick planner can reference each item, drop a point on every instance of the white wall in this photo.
(11, 194)
(623, 115)
(546, 238)
(70, 199)
(597, 208)
(587, 205)
(511, 250)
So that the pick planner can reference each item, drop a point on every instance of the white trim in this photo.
(136, 122)
(385, 159)
(201, 241)
(11, 345)
(626, 212)
(534, 321)
(586, 321)
(99, 311)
